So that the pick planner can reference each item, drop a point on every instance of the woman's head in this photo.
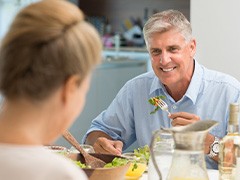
(165, 21)
(48, 42)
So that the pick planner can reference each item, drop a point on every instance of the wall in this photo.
(8, 10)
(216, 26)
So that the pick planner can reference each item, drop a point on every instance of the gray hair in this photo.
(165, 21)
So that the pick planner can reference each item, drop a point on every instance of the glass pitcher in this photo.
(188, 160)
(163, 151)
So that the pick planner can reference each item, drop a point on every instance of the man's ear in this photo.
(193, 47)
(70, 87)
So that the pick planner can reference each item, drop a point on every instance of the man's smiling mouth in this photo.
(167, 69)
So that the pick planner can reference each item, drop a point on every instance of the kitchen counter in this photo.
(132, 53)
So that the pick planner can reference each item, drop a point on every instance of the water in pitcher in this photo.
(164, 163)
(163, 152)
(186, 161)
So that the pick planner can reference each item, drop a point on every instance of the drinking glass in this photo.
(57, 149)
(86, 147)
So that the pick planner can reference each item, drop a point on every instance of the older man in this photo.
(192, 92)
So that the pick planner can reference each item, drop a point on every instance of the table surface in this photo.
(212, 174)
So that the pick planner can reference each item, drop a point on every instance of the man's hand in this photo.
(183, 118)
(102, 143)
(106, 146)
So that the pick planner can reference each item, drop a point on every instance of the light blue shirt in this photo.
(128, 117)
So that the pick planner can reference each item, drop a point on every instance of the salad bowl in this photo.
(106, 173)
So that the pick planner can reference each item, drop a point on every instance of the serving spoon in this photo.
(89, 159)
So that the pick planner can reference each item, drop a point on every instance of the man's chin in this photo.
(169, 82)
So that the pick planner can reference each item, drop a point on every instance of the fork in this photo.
(163, 105)
(89, 159)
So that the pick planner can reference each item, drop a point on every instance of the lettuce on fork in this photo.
(154, 101)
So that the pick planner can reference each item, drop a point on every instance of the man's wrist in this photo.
(214, 148)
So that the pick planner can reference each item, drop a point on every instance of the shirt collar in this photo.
(193, 88)
(156, 85)
(195, 84)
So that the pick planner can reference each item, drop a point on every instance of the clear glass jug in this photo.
(163, 151)
(188, 160)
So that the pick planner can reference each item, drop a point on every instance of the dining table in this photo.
(212, 175)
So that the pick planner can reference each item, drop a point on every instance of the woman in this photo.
(46, 59)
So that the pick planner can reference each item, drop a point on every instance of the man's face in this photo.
(172, 58)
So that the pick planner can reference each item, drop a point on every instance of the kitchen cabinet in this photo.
(117, 12)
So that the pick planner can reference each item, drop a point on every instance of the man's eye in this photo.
(173, 49)
(155, 52)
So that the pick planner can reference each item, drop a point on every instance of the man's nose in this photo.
(164, 58)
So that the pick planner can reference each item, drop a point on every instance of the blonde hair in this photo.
(165, 21)
(47, 42)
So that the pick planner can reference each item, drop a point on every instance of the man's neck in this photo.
(177, 91)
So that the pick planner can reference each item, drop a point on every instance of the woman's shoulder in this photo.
(63, 166)
(37, 163)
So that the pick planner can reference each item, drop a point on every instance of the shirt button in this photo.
(174, 107)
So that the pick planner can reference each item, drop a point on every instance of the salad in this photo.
(81, 165)
(143, 153)
(154, 101)
(115, 163)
